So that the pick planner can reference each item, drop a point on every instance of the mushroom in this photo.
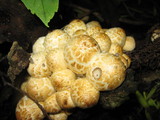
(126, 60)
(39, 88)
(38, 45)
(74, 25)
(55, 60)
(62, 80)
(79, 32)
(105, 71)
(79, 51)
(129, 44)
(103, 41)
(117, 35)
(38, 66)
(83, 94)
(28, 110)
(56, 39)
(94, 27)
(59, 116)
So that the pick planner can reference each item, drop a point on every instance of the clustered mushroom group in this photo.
(69, 67)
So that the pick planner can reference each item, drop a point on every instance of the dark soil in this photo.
(139, 18)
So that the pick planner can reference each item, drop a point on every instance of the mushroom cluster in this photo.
(69, 67)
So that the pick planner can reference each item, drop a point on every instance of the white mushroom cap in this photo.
(62, 80)
(116, 49)
(130, 44)
(51, 105)
(28, 110)
(56, 39)
(39, 88)
(83, 94)
(74, 25)
(64, 99)
(59, 116)
(94, 27)
(55, 60)
(105, 71)
(103, 41)
(38, 66)
(117, 35)
(79, 51)
(38, 46)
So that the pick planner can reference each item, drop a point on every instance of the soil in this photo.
(140, 18)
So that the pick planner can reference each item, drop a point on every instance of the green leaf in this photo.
(141, 99)
(44, 9)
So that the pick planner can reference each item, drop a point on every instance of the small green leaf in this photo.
(44, 9)
(141, 99)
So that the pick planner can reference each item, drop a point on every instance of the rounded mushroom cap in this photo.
(28, 110)
(130, 44)
(117, 35)
(116, 49)
(55, 60)
(56, 39)
(39, 88)
(103, 41)
(51, 105)
(105, 71)
(74, 25)
(62, 80)
(79, 32)
(64, 99)
(94, 27)
(83, 94)
(38, 45)
(79, 51)
(38, 66)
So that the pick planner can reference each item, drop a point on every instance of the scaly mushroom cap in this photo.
(39, 88)
(38, 66)
(62, 80)
(74, 25)
(103, 41)
(79, 51)
(116, 49)
(28, 110)
(94, 27)
(83, 94)
(55, 60)
(105, 71)
(64, 99)
(130, 44)
(59, 116)
(126, 60)
(38, 45)
(51, 105)
(56, 39)
(117, 35)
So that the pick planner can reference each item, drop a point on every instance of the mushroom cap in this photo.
(64, 99)
(38, 45)
(130, 44)
(39, 88)
(38, 66)
(74, 25)
(105, 71)
(79, 32)
(56, 39)
(126, 60)
(117, 35)
(79, 51)
(55, 60)
(103, 41)
(62, 80)
(94, 27)
(51, 105)
(116, 49)
(83, 94)
(28, 110)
